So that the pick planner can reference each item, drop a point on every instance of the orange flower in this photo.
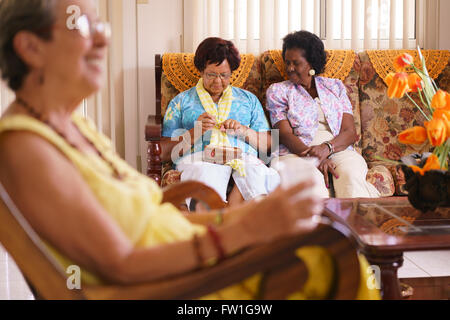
(437, 131)
(389, 78)
(398, 86)
(440, 100)
(432, 163)
(399, 61)
(443, 114)
(414, 135)
(414, 82)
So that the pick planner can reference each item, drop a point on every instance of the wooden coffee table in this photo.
(385, 228)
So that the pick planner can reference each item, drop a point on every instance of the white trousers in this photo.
(259, 179)
(352, 171)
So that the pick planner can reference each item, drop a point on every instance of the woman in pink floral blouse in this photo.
(315, 119)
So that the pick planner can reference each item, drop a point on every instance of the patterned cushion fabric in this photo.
(170, 177)
(382, 179)
(382, 119)
(271, 73)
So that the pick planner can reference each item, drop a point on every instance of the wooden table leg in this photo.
(388, 264)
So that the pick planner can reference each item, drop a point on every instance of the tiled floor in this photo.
(422, 264)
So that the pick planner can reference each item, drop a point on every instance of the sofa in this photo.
(378, 119)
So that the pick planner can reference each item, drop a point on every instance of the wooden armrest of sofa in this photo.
(153, 128)
(177, 193)
(153, 137)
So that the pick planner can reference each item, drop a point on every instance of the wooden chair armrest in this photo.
(153, 128)
(177, 193)
(283, 272)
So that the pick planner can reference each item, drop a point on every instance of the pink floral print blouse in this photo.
(288, 101)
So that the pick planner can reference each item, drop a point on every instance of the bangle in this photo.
(198, 253)
(219, 217)
(217, 243)
(330, 146)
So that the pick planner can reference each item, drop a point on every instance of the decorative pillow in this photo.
(170, 177)
(382, 179)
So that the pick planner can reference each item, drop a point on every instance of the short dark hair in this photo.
(216, 50)
(312, 45)
(36, 16)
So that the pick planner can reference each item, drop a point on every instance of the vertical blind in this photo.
(258, 25)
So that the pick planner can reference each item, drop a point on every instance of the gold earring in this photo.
(312, 72)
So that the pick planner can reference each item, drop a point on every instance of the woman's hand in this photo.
(320, 152)
(283, 212)
(233, 127)
(208, 122)
(326, 166)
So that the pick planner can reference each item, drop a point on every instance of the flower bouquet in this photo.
(427, 176)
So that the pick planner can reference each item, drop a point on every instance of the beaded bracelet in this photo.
(217, 243)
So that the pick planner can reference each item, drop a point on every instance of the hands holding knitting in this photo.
(234, 127)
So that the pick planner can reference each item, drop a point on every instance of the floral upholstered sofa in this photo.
(378, 119)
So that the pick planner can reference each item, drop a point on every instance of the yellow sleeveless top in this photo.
(134, 203)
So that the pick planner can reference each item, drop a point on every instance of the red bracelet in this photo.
(217, 243)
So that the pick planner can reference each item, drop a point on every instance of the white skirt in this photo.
(259, 179)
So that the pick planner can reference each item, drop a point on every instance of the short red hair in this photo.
(216, 50)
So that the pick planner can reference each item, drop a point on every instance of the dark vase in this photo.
(429, 191)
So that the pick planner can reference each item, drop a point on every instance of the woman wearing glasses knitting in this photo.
(226, 116)
(89, 206)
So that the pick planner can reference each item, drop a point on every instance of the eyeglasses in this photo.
(222, 76)
(88, 29)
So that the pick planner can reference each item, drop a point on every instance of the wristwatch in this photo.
(330, 146)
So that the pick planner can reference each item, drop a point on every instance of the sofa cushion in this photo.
(341, 64)
(381, 177)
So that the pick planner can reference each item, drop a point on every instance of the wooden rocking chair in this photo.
(283, 272)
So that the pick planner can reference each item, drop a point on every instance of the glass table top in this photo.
(391, 221)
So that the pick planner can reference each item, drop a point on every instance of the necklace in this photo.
(38, 116)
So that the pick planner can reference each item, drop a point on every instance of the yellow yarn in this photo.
(221, 113)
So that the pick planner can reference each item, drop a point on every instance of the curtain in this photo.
(258, 25)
